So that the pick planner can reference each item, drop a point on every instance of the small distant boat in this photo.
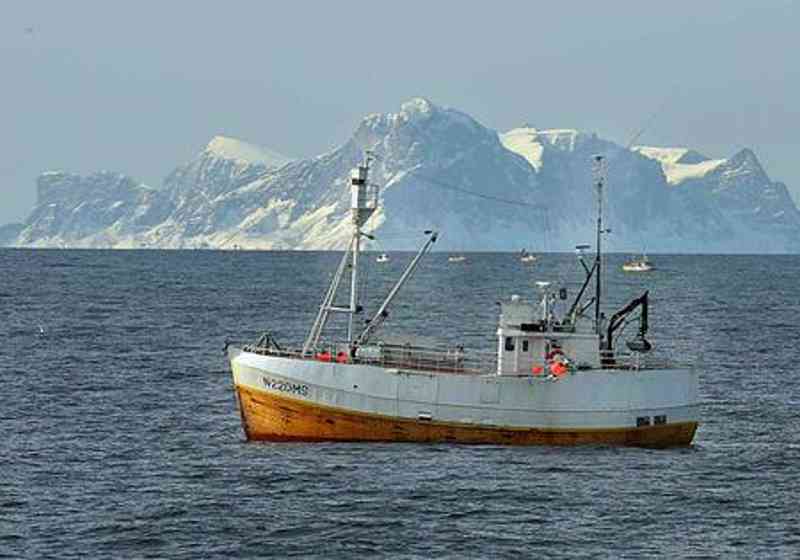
(640, 264)
(382, 258)
(526, 257)
(456, 258)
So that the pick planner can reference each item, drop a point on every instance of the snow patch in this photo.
(663, 155)
(562, 138)
(679, 172)
(530, 142)
(231, 148)
(418, 107)
(525, 142)
(674, 171)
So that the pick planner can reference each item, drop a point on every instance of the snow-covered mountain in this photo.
(437, 168)
(223, 147)
(93, 211)
(665, 199)
(730, 204)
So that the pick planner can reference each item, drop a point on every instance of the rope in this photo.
(364, 289)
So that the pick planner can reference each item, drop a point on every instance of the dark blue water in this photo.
(120, 436)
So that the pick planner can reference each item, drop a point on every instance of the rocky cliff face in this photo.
(95, 210)
(437, 168)
(727, 205)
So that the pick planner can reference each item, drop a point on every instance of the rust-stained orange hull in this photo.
(267, 417)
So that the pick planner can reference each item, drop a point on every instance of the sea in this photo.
(120, 435)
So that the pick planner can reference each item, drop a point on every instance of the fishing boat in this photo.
(456, 259)
(638, 264)
(382, 258)
(561, 374)
(526, 257)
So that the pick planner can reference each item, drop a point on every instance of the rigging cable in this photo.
(364, 291)
(442, 185)
(447, 186)
(648, 121)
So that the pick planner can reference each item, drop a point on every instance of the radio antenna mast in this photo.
(599, 176)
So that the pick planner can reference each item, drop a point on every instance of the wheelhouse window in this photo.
(524, 345)
(509, 344)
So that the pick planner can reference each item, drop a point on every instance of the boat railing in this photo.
(400, 356)
(637, 360)
(444, 360)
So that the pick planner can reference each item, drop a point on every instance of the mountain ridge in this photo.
(437, 167)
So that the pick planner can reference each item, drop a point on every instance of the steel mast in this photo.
(599, 169)
(364, 202)
(363, 205)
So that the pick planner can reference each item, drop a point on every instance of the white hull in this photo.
(592, 399)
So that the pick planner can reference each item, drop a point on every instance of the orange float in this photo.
(324, 357)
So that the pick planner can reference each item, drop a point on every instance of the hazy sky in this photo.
(140, 87)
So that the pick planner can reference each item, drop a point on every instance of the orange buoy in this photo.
(558, 369)
(537, 370)
(341, 358)
(324, 357)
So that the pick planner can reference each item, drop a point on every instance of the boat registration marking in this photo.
(285, 386)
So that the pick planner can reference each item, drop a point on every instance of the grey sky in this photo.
(140, 87)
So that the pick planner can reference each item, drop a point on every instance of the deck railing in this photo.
(448, 360)
(637, 360)
(445, 360)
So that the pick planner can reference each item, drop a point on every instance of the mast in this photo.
(364, 202)
(599, 173)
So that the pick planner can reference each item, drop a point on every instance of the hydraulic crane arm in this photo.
(617, 320)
